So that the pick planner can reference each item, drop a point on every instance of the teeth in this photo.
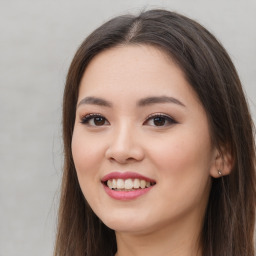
(128, 184)
(142, 183)
(136, 183)
(110, 184)
(119, 183)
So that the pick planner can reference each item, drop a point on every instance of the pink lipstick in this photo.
(126, 185)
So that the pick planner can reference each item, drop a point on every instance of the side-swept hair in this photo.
(228, 226)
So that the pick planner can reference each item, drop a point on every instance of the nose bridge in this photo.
(122, 132)
(125, 143)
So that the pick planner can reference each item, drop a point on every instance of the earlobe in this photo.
(223, 164)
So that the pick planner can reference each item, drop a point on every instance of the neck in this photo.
(174, 240)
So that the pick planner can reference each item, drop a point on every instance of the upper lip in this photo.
(125, 175)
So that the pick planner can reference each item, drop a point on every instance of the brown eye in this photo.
(98, 121)
(94, 120)
(159, 120)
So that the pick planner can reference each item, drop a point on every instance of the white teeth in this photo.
(128, 184)
(119, 183)
(142, 183)
(110, 184)
(136, 183)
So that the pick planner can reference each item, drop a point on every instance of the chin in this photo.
(125, 227)
(126, 223)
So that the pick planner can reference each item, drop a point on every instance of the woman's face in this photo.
(141, 143)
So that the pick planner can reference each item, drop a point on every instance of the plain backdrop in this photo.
(37, 42)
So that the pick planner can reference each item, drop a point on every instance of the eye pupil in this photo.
(159, 121)
(99, 121)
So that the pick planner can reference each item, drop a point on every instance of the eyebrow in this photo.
(162, 99)
(94, 101)
(141, 103)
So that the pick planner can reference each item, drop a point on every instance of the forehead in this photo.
(140, 70)
(123, 61)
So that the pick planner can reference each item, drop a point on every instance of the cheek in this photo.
(183, 163)
(184, 149)
(184, 176)
(87, 158)
(86, 155)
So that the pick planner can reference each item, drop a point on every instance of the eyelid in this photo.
(86, 118)
(90, 115)
(169, 118)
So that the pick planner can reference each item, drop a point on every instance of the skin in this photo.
(178, 155)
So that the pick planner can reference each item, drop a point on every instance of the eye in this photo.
(159, 120)
(94, 120)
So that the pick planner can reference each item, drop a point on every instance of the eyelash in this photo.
(87, 118)
(163, 118)
(166, 118)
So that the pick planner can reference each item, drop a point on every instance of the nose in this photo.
(125, 146)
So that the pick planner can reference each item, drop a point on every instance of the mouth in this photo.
(128, 184)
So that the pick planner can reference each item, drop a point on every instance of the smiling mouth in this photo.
(128, 184)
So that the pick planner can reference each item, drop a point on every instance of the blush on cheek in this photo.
(80, 149)
(180, 156)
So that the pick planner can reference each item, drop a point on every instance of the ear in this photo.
(223, 163)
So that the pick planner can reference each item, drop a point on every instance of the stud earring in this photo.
(219, 172)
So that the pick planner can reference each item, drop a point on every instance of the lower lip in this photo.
(126, 195)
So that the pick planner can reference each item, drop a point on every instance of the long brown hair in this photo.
(228, 226)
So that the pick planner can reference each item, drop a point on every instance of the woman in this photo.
(158, 142)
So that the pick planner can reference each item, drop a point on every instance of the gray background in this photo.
(37, 42)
